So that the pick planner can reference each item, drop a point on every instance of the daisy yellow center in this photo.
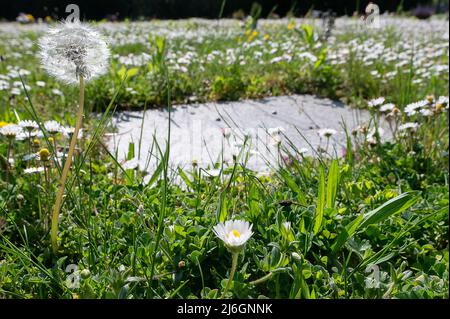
(235, 233)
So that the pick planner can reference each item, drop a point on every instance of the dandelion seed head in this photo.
(73, 49)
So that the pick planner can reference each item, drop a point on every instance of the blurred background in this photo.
(29, 11)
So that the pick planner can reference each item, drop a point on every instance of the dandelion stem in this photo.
(234, 261)
(65, 172)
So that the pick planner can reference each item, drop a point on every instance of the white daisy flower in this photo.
(74, 49)
(33, 170)
(53, 127)
(131, 164)
(10, 130)
(385, 108)
(326, 132)
(426, 112)
(69, 130)
(443, 100)
(28, 125)
(408, 126)
(376, 102)
(234, 233)
(57, 92)
(15, 91)
(303, 151)
(412, 108)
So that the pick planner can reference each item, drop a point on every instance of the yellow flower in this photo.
(44, 154)
(30, 17)
(255, 33)
(247, 32)
(36, 143)
(266, 37)
(2, 123)
(291, 26)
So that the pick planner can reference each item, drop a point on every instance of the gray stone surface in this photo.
(196, 130)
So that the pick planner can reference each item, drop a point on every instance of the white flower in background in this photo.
(131, 164)
(426, 112)
(408, 126)
(40, 83)
(376, 102)
(33, 170)
(326, 132)
(442, 100)
(275, 130)
(234, 233)
(57, 92)
(275, 135)
(16, 91)
(73, 49)
(10, 130)
(69, 130)
(28, 125)
(4, 85)
(213, 172)
(32, 156)
(385, 108)
(411, 109)
(53, 127)
(226, 132)
(303, 151)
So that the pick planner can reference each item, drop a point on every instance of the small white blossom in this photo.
(234, 233)
(376, 102)
(326, 132)
(53, 127)
(33, 170)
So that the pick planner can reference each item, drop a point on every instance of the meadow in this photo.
(372, 223)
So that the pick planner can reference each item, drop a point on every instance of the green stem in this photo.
(8, 155)
(262, 279)
(232, 271)
(65, 172)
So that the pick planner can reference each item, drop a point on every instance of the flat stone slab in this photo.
(213, 132)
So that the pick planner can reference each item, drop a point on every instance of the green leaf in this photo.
(156, 174)
(320, 203)
(346, 233)
(185, 178)
(222, 212)
(332, 183)
(292, 185)
(391, 207)
(132, 72)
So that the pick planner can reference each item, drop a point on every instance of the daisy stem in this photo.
(8, 155)
(262, 279)
(65, 172)
(232, 271)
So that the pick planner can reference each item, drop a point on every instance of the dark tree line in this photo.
(174, 9)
